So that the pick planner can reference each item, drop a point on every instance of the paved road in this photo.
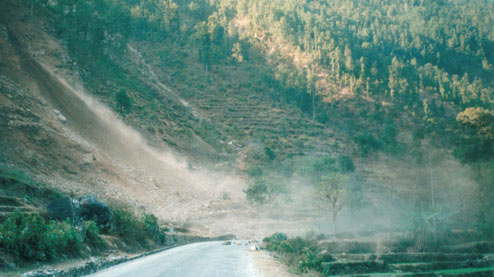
(193, 260)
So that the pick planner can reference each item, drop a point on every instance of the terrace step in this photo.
(10, 201)
(432, 266)
(427, 257)
(413, 257)
(463, 272)
(411, 264)
(11, 209)
(353, 267)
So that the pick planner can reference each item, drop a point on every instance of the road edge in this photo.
(95, 264)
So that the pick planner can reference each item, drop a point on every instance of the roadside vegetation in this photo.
(303, 255)
(387, 102)
(319, 255)
(31, 238)
(28, 233)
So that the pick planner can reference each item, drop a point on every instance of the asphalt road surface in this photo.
(197, 259)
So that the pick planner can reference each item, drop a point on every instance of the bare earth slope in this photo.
(91, 150)
(64, 137)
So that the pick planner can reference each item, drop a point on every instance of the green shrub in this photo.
(303, 254)
(269, 153)
(153, 229)
(312, 259)
(70, 241)
(151, 224)
(61, 238)
(124, 102)
(128, 227)
(257, 192)
(346, 164)
(133, 229)
(29, 237)
(255, 171)
(367, 143)
(20, 234)
(91, 234)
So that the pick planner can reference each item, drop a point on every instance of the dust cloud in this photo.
(389, 196)
(156, 179)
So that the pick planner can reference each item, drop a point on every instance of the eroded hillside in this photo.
(62, 135)
(218, 104)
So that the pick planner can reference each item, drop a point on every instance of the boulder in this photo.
(97, 211)
(60, 116)
(63, 208)
(87, 200)
(85, 208)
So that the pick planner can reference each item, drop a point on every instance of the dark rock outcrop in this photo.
(85, 208)
(97, 211)
(63, 208)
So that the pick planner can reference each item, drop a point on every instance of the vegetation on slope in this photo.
(366, 48)
(304, 254)
(29, 234)
(336, 78)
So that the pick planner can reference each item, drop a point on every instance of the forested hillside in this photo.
(429, 61)
(395, 96)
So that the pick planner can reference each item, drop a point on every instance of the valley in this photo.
(318, 121)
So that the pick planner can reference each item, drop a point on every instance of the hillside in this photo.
(227, 116)
(168, 168)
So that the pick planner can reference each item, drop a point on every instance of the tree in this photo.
(257, 193)
(348, 59)
(204, 39)
(124, 102)
(330, 190)
(475, 128)
(237, 53)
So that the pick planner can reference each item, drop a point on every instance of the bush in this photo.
(69, 240)
(346, 164)
(124, 102)
(137, 229)
(367, 143)
(312, 259)
(269, 153)
(304, 254)
(128, 227)
(91, 234)
(255, 171)
(29, 237)
(151, 224)
(257, 192)
(153, 229)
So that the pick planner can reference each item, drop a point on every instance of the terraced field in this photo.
(244, 112)
(22, 196)
(412, 264)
